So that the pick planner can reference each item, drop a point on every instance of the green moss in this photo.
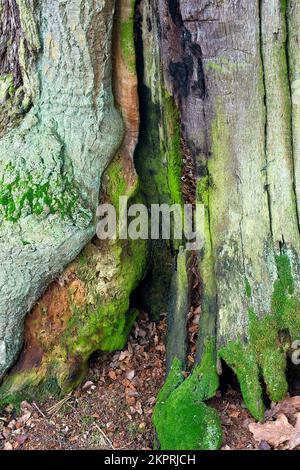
(174, 152)
(105, 321)
(219, 178)
(174, 379)
(265, 355)
(181, 419)
(285, 303)
(19, 195)
(204, 380)
(242, 360)
(262, 356)
(28, 385)
(248, 289)
(159, 155)
(203, 186)
(127, 40)
(158, 160)
(269, 356)
(283, 7)
(116, 182)
(102, 323)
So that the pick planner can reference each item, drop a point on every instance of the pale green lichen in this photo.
(7, 89)
(28, 24)
(181, 418)
(16, 101)
(223, 66)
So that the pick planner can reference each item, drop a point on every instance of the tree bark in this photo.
(230, 68)
(87, 307)
(51, 164)
(205, 92)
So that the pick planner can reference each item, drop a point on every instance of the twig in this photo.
(53, 410)
(105, 436)
(39, 410)
(72, 408)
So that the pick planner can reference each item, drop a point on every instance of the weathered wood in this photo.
(228, 68)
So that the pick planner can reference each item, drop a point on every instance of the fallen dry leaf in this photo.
(234, 414)
(21, 439)
(8, 446)
(112, 375)
(289, 406)
(87, 386)
(23, 419)
(130, 374)
(25, 406)
(278, 432)
(138, 408)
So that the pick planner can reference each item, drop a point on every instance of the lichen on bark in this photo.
(235, 107)
(57, 153)
(215, 81)
(88, 307)
(19, 48)
(263, 353)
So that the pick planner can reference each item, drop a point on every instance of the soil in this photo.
(113, 408)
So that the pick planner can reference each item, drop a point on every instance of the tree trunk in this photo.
(205, 92)
(87, 307)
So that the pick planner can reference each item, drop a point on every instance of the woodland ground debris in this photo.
(113, 408)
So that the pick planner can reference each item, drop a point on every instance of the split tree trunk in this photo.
(230, 67)
(218, 126)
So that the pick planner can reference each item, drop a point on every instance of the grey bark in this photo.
(66, 139)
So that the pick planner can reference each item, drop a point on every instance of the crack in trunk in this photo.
(267, 188)
(291, 113)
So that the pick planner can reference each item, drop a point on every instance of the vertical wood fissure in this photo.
(291, 113)
(267, 188)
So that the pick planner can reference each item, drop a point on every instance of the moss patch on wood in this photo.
(22, 195)
(86, 310)
(127, 39)
(264, 356)
(181, 418)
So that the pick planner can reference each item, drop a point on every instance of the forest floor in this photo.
(113, 408)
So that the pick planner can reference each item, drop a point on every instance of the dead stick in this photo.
(105, 436)
(39, 410)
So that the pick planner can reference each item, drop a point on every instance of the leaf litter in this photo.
(113, 408)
